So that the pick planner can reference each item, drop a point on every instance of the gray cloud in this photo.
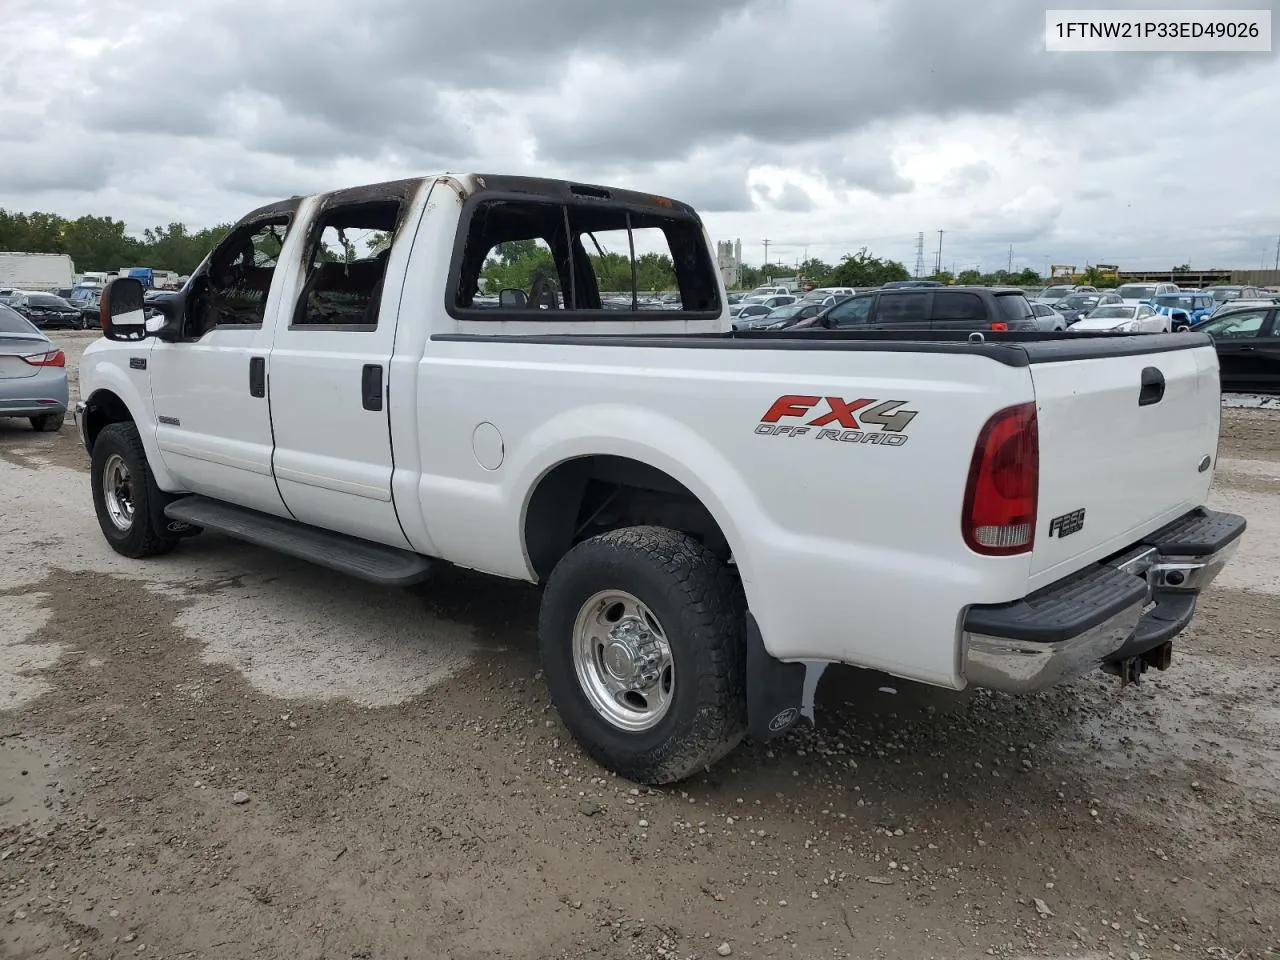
(865, 64)
(32, 167)
(968, 177)
(791, 198)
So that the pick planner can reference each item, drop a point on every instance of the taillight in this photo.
(54, 358)
(999, 326)
(999, 516)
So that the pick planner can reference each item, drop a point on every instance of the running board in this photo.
(369, 561)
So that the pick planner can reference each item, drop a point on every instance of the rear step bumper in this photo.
(1111, 613)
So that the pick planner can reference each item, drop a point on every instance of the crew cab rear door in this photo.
(330, 362)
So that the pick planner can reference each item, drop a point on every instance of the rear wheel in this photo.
(47, 423)
(643, 647)
(123, 493)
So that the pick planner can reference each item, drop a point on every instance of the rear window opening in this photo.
(531, 259)
(1014, 307)
(346, 265)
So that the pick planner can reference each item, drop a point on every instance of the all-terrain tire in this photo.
(47, 423)
(141, 537)
(701, 608)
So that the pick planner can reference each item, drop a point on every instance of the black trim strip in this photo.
(1012, 349)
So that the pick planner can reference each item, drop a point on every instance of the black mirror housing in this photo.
(512, 297)
(123, 310)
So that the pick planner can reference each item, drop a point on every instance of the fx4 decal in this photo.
(838, 419)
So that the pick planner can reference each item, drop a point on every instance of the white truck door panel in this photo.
(330, 363)
(213, 421)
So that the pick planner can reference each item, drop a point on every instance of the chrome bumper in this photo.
(1113, 613)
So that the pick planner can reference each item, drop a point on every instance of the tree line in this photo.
(101, 244)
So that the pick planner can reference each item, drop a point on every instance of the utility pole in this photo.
(938, 269)
(1011, 258)
(919, 254)
(1278, 253)
(766, 252)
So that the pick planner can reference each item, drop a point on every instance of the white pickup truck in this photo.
(712, 514)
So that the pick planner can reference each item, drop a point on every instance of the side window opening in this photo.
(345, 266)
(239, 277)
(525, 255)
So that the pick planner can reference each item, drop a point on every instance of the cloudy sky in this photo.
(822, 125)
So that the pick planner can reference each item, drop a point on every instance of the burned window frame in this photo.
(201, 283)
(693, 260)
(335, 205)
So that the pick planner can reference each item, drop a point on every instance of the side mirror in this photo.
(512, 297)
(121, 309)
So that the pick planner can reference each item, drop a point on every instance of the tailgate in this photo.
(1117, 459)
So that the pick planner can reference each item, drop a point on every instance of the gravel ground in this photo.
(224, 753)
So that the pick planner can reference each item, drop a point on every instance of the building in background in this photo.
(729, 260)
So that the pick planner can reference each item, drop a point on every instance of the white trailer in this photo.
(36, 271)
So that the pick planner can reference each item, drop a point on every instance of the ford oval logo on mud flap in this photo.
(783, 720)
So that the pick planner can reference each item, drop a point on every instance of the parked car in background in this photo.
(1047, 318)
(910, 284)
(776, 300)
(1122, 318)
(768, 291)
(822, 299)
(748, 311)
(780, 318)
(1061, 291)
(1225, 292)
(949, 308)
(33, 374)
(1247, 339)
(1144, 292)
(8, 295)
(49, 312)
(1076, 305)
(86, 299)
(1184, 308)
(830, 292)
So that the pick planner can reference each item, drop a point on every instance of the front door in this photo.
(208, 389)
(1236, 337)
(330, 365)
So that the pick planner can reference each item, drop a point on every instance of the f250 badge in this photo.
(844, 421)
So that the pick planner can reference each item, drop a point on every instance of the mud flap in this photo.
(775, 690)
(158, 500)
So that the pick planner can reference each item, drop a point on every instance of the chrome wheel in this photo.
(117, 492)
(623, 661)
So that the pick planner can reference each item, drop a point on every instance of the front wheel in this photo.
(642, 635)
(123, 491)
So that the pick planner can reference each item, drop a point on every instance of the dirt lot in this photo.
(408, 793)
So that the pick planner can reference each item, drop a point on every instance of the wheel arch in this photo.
(584, 495)
(119, 400)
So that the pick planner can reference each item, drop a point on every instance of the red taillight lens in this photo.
(1004, 479)
(54, 358)
(1000, 327)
